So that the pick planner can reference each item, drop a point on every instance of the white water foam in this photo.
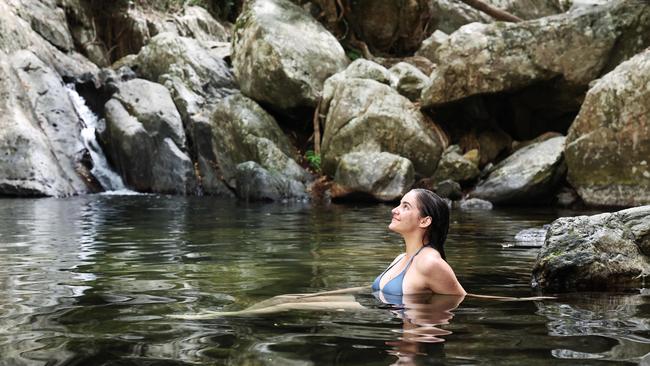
(109, 180)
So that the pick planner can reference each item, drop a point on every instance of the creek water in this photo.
(93, 280)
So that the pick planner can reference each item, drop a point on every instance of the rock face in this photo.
(48, 21)
(282, 56)
(595, 252)
(447, 15)
(384, 176)
(408, 80)
(488, 58)
(608, 145)
(368, 116)
(241, 131)
(453, 165)
(254, 183)
(40, 148)
(194, 75)
(145, 139)
(525, 175)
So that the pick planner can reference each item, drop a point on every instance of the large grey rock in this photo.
(281, 55)
(17, 35)
(365, 69)
(526, 175)
(448, 15)
(145, 139)
(408, 80)
(594, 252)
(384, 176)
(40, 149)
(195, 75)
(368, 116)
(47, 20)
(453, 165)
(242, 131)
(488, 58)
(608, 145)
(196, 22)
(254, 183)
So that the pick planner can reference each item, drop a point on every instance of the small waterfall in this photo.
(108, 179)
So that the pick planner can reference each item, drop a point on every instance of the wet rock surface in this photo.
(601, 252)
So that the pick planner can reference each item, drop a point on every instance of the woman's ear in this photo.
(425, 221)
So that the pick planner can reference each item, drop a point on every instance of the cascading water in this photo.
(109, 180)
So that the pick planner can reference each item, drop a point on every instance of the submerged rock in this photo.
(364, 115)
(475, 204)
(528, 174)
(254, 183)
(488, 58)
(608, 145)
(145, 139)
(384, 176)
(282, 56)
(597, 252)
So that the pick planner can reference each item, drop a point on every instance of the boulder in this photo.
(196, 22)
(526, 175)
(242, 131)
(254, 183)
(364, 115)
(489, 58)
(431, 44)
(281, 55)
(608, 145)
(448, 15)
(40, 148)
(17, 35)
(145, 140)
(46, 19)
(449, 189)
(453, 165)
(365, 69)
(598, 252)
(382, 175)
(475, 204)
(193, 74)
(408, 80)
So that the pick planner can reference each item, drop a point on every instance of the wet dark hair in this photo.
(430, 204)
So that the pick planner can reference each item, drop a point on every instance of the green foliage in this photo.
(313, 159)
(353, 54)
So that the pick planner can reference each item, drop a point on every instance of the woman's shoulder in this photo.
(431, 262)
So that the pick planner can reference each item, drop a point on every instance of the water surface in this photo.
(92, 281)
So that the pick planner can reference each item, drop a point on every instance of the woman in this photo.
(422, 218)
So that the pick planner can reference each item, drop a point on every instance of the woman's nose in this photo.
(394, 211)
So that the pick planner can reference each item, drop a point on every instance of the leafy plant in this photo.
(313, 159)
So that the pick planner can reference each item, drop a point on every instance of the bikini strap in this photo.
(413, 257)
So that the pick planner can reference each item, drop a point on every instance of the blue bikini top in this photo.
(394, 286)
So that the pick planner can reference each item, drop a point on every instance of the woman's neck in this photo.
(413, 243)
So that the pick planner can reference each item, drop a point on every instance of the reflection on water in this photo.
(93, 280)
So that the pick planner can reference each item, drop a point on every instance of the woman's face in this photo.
(406, 216)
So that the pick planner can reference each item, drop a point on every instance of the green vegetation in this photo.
(314, 160)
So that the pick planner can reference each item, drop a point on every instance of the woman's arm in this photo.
(439, 277)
